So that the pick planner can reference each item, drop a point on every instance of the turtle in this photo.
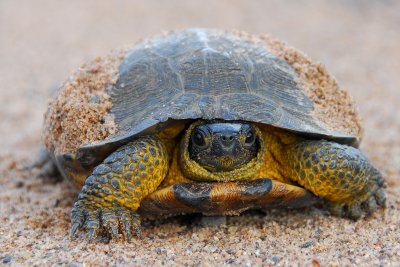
(213, 122)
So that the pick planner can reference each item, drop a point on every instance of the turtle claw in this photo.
(108, 219)
(374, 201)
(74, 229)
(138, 231)
(354, 210)
(92, 224)
(336, 209)
(371, 204)
(92, 235)
(114, 231)
(136, 224)
(128, 231)
(380, 198)
(77, 219)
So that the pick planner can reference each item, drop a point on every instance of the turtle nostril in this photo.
(227, 140)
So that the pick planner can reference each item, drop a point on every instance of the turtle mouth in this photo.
(222, 164)
(226, 161)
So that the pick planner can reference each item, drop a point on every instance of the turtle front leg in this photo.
(340, 174)
(112, 194)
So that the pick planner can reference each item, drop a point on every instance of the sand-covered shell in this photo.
(192, 74)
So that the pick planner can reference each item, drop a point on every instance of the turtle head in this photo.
(221, 146)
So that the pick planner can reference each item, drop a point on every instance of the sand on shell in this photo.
(44, 41)
(79, 113)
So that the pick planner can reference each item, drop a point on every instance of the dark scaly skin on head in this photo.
(223, 146)
(112, 195)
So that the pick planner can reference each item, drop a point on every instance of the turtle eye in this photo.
(250, 137)
(199, 138)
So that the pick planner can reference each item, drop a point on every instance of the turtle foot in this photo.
(111, 220)
(354, 210)
(47, 168)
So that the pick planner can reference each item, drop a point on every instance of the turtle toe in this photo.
(112, 221)
(355, 210)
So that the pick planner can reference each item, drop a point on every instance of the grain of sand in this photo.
(42, 41)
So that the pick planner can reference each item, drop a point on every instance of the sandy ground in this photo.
(41, 42)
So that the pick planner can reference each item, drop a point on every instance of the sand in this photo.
(43, 41)
(80, 101)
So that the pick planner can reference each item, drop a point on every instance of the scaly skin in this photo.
(113, 192)
(340, 174)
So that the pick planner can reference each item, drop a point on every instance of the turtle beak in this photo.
(226, 161)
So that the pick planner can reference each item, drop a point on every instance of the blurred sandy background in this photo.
(41, 42)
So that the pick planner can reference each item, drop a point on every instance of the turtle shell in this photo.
(206, 74)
